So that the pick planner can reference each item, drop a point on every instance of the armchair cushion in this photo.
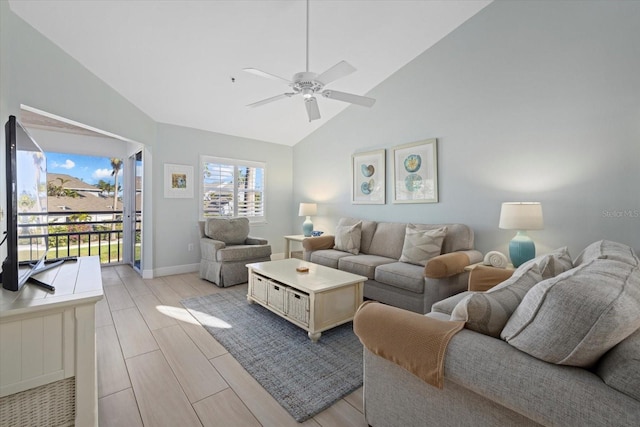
(243, 252)
(232, 231)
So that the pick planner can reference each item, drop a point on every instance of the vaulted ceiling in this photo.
(181, 62)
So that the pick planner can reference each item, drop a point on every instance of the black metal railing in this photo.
(74, 234)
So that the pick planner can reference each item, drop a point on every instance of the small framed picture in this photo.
(178, 181)
(415, 172)
(368, 178)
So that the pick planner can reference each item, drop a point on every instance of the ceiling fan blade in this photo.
(268, 100)
(341, 69)
(266, 75)
(349, 97)
(312, 108)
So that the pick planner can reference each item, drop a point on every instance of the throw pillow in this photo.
(609, 250)
(576, 317)
(421, 245)
(347, 238)
(553, 263)
(488, 312)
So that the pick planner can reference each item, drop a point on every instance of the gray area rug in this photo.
(305, 378)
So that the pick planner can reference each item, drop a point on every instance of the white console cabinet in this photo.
(48, 348)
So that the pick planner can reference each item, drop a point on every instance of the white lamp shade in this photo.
(307, 209)
(521, 216)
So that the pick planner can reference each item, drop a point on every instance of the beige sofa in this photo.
(558, 350)
(379, 252)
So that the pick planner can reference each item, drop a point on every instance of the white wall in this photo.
(35, 72)
(176, 219)
(530, 101)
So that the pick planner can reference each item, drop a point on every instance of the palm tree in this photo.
(116, 165)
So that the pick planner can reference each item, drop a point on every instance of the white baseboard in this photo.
(176, 269)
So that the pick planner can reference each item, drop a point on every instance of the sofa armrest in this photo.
(255, 241)
(447, 265)
(316, 243)
(484, 277)
(411, 340)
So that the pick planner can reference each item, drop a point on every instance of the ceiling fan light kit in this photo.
(309, 84)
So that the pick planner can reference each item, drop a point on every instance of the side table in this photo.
(287, 243)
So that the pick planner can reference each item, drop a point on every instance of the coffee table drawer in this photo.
(298, 306)
(259, 286)
(276, 296)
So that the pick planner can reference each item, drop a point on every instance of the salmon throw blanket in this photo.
(411, 340)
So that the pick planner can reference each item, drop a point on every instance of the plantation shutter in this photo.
(232, 188)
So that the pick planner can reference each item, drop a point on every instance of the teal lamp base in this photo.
(521, 249)
(307, 227)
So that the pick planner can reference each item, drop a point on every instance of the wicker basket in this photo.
(277, 296)
(259, 287)
(298, 306)
(52, 404)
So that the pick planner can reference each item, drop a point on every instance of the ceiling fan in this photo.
(309, 84)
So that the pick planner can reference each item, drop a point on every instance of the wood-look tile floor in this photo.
(157, 366)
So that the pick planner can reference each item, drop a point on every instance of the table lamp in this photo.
(307, 209)
(521, 216)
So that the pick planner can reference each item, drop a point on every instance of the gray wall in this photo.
(530, 101)
(177, 219)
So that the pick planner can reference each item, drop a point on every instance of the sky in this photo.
(89, 169)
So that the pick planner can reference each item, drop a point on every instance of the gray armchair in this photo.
(227, 248)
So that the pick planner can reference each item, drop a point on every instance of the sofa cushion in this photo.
(401, 275)
(368, 230)
(488, 312)
(232, 231)
(327, 257)
(347, 238)
(620, 367)
(388, 240)
(577, 316)
(364, 265)
(609, 250)
(421, 245)
(551, 264)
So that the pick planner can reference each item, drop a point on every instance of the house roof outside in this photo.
(90, 198)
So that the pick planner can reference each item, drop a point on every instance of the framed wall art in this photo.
(415, 172)
(368, 178)
(178, 181)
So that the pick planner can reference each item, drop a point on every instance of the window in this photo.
(232, 188)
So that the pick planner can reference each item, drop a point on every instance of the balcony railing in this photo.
(74, 234)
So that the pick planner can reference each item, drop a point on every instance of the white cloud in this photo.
(69, 164)
(101, 173)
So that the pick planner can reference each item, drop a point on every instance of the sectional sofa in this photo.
(410, 266)
(557, 344)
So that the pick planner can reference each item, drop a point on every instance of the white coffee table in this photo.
(317, 300)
